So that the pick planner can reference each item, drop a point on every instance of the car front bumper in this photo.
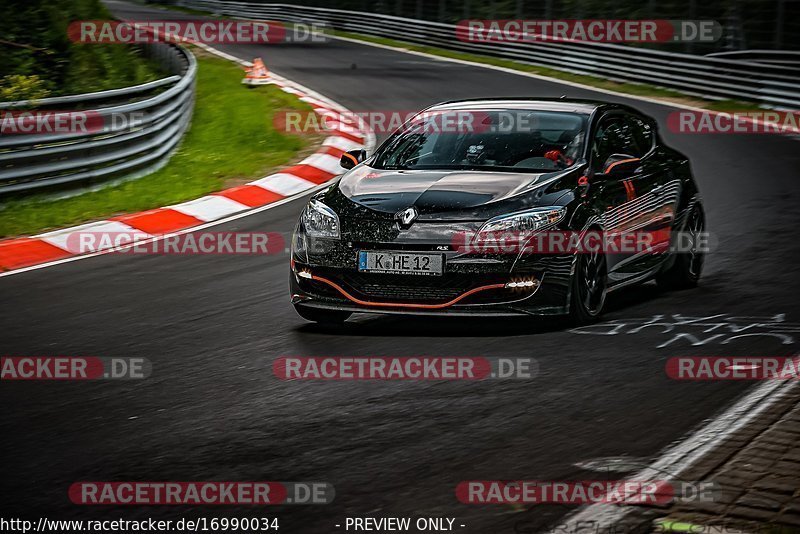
(470, 285)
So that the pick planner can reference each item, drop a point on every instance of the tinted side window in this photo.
(643, 135)
(614, 136)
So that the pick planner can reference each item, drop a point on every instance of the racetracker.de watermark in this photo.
(195, 31)
(261, 493)
(326, 121)
(713, 368)
(588, 30)
(734, 122)
(601, 526)
(403, 368)
(14, 122)
(629, 492)
(73, 368)
(187, 244)
(582, 242)
(200, 524)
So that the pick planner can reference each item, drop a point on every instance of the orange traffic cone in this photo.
(257, 74)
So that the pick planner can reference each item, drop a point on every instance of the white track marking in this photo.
(291, 187)
(69, 238)
(518, 73)
(209, 208)
(284, 184)
(172, 234)
(681, 457)
(325, 162)
(342, 143)
(316, 103)
(685, 454)
(507, 70)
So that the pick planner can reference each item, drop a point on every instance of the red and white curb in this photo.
(313, 171)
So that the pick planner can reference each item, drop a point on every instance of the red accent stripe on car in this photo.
(351, 157)
(608, 169)
(405, 304)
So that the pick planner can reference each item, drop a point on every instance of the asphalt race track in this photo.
(213, 325)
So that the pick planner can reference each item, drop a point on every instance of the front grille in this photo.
(383, 292)
(410, 288)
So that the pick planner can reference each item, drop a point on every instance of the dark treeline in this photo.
(749, 24)
(37, 58)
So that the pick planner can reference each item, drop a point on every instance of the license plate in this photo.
(400, 262)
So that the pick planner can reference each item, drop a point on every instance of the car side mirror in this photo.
(351, 158)
(621, 167)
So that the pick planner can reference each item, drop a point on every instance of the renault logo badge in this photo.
(406, 217)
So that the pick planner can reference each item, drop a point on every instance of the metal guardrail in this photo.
(777, 57)
(717, 78)
(132, 130)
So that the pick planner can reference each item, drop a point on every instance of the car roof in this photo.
(584, 107)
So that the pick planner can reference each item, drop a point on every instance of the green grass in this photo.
(733, 105)
(38, 59)
(231, 140)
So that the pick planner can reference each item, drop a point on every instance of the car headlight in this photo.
(320, 221)
(299, 247)
(524, 221)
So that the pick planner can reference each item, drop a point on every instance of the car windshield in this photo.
(493, 140)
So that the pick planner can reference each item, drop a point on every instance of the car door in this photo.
(656, 190)
(624, 201)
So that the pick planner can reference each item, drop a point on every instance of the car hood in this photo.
(431, 191)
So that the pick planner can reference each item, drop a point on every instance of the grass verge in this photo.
(232, 140)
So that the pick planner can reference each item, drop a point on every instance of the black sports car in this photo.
(447, 216)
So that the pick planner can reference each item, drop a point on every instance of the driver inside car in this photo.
(567, 157)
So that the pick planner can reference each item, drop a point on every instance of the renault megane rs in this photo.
(448, 215)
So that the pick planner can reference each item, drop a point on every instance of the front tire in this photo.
(589, 283)
(326, 317)
(685, 271)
